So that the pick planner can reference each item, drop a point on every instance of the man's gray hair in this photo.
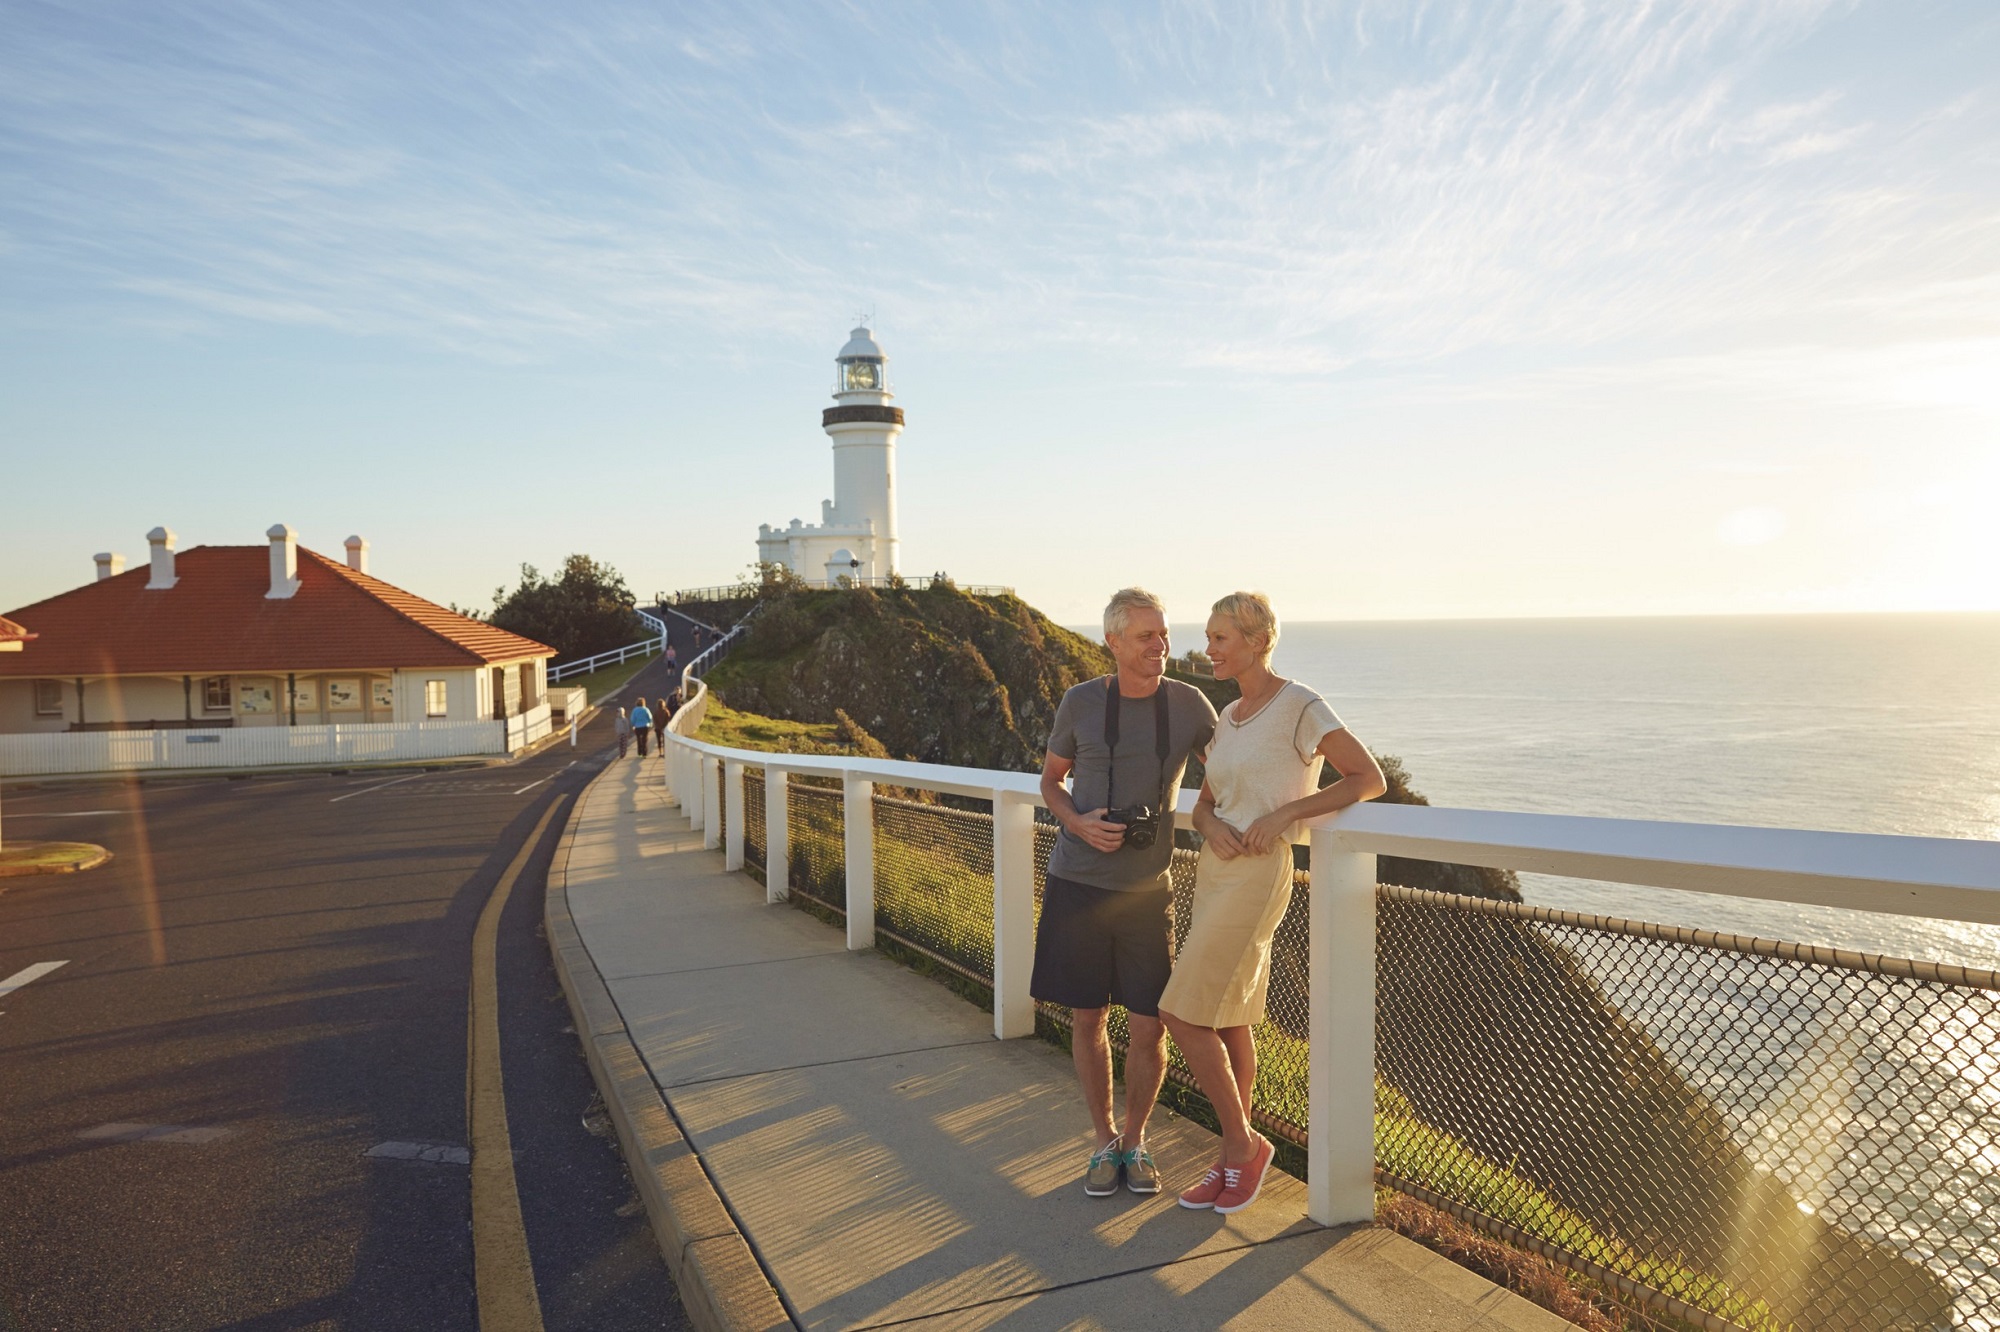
(1123, 602)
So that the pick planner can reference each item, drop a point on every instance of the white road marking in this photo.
(366, 789)
(434, 1153)
(174, 1133)
(532, 785)
(69, 814)
(34, 973)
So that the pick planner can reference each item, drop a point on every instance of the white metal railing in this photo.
(1935, 877)
(248, 746)
(616, 656)
(717, 650)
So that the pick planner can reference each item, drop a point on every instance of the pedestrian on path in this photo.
(662, 714)
(673, 662)
(1106, 931)
(623, 725)
(642, 724)
(1260, 781)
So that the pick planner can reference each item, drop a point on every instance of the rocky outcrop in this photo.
(938, 675)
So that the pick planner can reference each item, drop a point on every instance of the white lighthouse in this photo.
(856, 534)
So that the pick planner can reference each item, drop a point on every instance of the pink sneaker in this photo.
(1202, 1196)
(1241, 1184)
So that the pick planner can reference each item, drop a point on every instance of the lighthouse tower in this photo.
(856, 535)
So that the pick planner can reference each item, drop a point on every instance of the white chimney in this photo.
(108, 565)
(357, 554)
(284, 562)
(161, 539)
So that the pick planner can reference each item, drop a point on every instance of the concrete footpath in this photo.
(828, 1140)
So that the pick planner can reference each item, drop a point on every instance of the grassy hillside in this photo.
(939, 676)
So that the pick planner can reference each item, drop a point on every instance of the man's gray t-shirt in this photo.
(1079, 736)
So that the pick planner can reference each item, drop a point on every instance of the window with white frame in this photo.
(215, 693)
(48, 698)
(434, 698)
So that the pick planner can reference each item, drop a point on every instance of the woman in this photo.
(662, 714)
(1262, 780)
(642, 724)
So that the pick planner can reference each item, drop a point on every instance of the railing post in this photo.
(711, 817)
(732, 821)
(1013, 913)
(858, 810)
(1340, 1078)
(777, 835)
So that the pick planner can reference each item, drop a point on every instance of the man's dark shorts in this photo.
(1095, 946)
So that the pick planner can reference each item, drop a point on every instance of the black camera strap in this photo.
(1162, 739)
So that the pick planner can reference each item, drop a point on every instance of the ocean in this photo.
(1854, 723)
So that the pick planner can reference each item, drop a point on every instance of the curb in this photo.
(89, 857)
(722, 1287)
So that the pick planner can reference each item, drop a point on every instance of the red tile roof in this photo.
(216, 620)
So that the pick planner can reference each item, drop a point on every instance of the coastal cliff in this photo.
(938, 675)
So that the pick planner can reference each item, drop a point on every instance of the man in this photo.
(1106, 932)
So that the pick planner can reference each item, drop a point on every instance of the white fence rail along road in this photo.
(1734, 1132)
(267, 746)
(645, 647)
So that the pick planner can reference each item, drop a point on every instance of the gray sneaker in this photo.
(1141, 1175)
(1101, 1180)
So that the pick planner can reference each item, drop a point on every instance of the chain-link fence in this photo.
(753, 820)
(1777, 1134)
(1722, 1131)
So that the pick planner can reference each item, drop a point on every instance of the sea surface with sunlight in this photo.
(1854, 723)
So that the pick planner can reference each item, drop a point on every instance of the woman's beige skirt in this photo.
(1224, 969)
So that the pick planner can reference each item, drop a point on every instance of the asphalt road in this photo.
(268, 981)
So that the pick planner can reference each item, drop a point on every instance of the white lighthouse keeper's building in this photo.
(856, 534)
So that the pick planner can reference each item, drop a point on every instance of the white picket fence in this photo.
(530, 726)
(266, 746)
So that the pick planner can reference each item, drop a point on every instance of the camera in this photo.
(1142, 824)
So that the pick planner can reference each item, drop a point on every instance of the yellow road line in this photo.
(503, 1274)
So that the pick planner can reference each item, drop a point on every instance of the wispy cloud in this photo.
(1295, 189)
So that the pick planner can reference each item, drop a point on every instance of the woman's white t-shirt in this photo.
(1256, 766)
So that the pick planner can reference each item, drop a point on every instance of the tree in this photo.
(585, 609)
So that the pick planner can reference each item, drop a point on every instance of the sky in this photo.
(1398, 310)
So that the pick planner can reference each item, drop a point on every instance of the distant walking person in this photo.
(642, 724)
(1106, 931)
(662, 714)
(623, 725)
(1262, 780)
(673, 660)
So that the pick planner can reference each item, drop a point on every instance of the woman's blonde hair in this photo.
(1253, 617)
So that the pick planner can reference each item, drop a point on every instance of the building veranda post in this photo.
(232, 639)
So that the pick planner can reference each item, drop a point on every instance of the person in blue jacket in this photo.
(642, 725)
